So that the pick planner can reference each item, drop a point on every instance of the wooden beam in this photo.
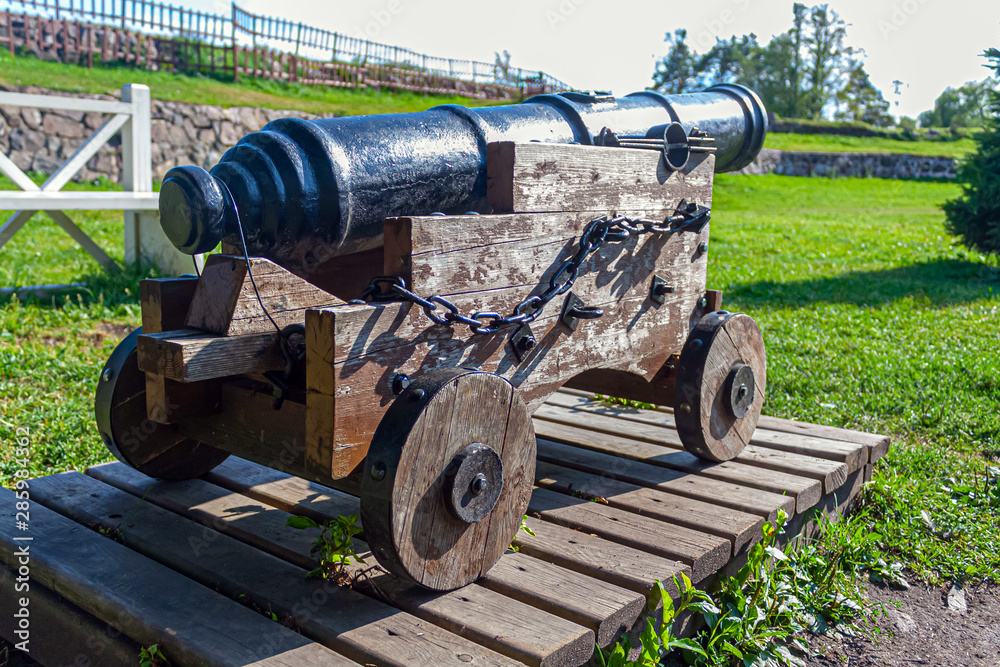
(165, 302)
(190, 355)
(536, 176)
(227, 303)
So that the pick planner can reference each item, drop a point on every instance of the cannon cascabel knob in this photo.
(192, 209)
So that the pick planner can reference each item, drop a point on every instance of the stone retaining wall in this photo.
(863, 165)
(42, 139)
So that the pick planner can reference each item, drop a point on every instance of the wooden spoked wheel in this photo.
(158, 450)
(447, 478)
(721, 378)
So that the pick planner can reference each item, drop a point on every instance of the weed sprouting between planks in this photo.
(334, 546)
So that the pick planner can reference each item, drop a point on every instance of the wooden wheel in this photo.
(721, 378)
(447, 478)
(158, 450)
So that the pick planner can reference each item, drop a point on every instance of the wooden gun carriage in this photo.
(370, 376)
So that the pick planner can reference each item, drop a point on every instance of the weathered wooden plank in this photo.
(535, 176)
(352, 624)
(702, 552)
(581, 552)
(142, 597)
(878, 445)
(165, 302)
(603, 607)
(227, 303)
(169, 401)
(60, 633)
(497, 622)
(599, 606)
(806, 491)
(851, 454)
(740, 528)
(189, 355)
(725, 494)
(831, 473)
(516, 255)
(277, 489)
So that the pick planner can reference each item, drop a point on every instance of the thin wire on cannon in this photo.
(246, 256)
(597, 232)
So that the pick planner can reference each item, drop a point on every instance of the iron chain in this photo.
(602, 230)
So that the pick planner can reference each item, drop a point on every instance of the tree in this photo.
(680, 70)
(826, 58)
(800, 73)
(965, 106)
(860, 100)
(975, 215)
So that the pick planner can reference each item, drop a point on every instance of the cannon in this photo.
(396, 296)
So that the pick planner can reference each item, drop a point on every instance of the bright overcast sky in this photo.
(613, 45)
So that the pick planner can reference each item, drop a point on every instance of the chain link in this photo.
(617, 229)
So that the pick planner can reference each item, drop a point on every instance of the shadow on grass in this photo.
(120, 287)
(942, 282)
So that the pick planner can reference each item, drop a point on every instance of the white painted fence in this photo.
(144, 240)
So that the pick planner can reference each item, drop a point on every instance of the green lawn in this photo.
(202, 90)
(837, 143)
(874, 318)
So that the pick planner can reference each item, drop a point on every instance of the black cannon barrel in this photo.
(308, 190)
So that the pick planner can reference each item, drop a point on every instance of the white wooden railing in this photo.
(131, 116)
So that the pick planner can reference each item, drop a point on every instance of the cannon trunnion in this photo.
(590, 273)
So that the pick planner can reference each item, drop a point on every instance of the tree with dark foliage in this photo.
(975, 216)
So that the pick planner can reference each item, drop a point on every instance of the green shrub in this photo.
(975, 215)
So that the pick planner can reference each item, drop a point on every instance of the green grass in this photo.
(25, 70)
(874, 318)
(837, 143)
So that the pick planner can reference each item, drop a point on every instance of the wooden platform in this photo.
(202, 568)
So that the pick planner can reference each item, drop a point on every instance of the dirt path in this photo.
(930, 627)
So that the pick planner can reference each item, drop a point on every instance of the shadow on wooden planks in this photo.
(208, 570)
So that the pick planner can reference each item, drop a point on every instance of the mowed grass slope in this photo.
(874, 318)
(838, 143)
(21, 71)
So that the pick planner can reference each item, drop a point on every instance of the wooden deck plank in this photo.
(832, 473)
(589, 602)
(740, 528)
(726, 494)
(149, 602)
(350, 623)
(60, 633)
(581, 552)
(878, 445)
(495, 621)
(806, 491)
(603, 607)
(702, 552)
